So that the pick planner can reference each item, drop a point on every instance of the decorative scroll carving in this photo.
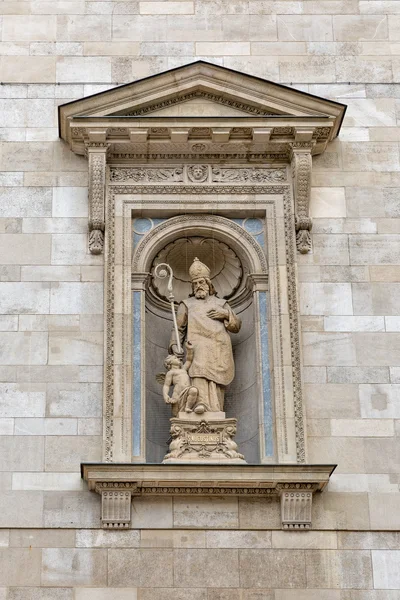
(203, 441)
(296, 504)
(301, 172)
(247, 175)
(147, 174)
(116, 499)
(97, 153)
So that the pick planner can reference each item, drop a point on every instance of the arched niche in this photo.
(248, 398)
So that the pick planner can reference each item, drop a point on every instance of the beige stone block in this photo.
(21, 454)
(372, 202)
(307, 69)
(327, 202)
(384, 511)
(344, 273)
(375, 69)
(382, 455)
(394, 374)
(325, 299)
(66, 453)
(111, 48)
(386, 568)
(76, 298)
(318, 427)
(183, 538)
(90, 426)
(28, 69)
(47, 374)
(211, 567)
(362, 427)
(74, 400)
(375, 540)
(194, 28)
(167, 48)
(379, 6)
(91, 374)
(36, 593)
(347, 453)
(238, 539)
(105, 593)
(45, 427)
(28, 249)
(330, 249)
(29, 28)
(260, 568)
(307, 594)
(10, 273)
(70, 202)
(258, 513)
(23, 348)
(21, 509)
(394, 25)
(391, 226)
(73, 349)
(356, 134)
(339, 569)
(100, 538)
(277, 48)
(55, 225)
(41, 538)
(7, 426)
(354, 324)
(377, 349)
(92, 273)
(304, 28)
(70, 509)
(221, 512)
(135, 28)
(325, 401)
(47, 273)
(329, 349)
(314, 374)
(85, 69)
(166, 8)
(358, 375)
(222, 48)
(368, 249)
(67, 566)
(140, 567)
(360, 28)
(318, 540)
(25, 202)
(173, 594)
(149, 513)
(385, 273)
(253, 27)
(363, 483)
(24, 297)
(367, 156)
(267, 68)
(376, 298)
(19, 566)
(72, 249)
(8, 322)
(371, 113)
(91, 28)
(46, 482)
(380, 401)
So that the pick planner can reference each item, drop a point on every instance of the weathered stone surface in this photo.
(339, 569)
(70, 566)
(213, 567)
(206, 512)
(261, 568)
(140, 567)
(71, 509)
(386, 568)
(66, 453)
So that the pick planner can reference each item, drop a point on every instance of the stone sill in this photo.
(117, 483)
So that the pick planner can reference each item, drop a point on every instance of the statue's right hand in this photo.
(174, 349)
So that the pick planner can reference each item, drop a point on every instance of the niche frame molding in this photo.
(248, 134)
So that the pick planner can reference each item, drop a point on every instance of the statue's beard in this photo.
(201, 293)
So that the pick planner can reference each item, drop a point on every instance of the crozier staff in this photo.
(205, 320)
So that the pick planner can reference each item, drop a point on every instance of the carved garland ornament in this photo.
(291, 291)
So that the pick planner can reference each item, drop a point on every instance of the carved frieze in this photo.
(247, 175)
(146, 174)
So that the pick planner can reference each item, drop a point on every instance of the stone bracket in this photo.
(301, 161)
(117, 483)
(116, 501)
(296, 504)
(97, 162)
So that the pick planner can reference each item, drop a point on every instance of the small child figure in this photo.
(184, 396)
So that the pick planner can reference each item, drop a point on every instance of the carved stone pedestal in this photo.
(206, 438)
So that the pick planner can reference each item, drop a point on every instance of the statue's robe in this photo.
(212, 367)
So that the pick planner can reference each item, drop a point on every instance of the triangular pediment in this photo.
(200, 90)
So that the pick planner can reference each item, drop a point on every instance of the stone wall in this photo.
(51, 344)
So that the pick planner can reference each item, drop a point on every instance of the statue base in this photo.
(205, 438)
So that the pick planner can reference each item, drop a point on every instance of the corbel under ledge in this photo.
(294, 485)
